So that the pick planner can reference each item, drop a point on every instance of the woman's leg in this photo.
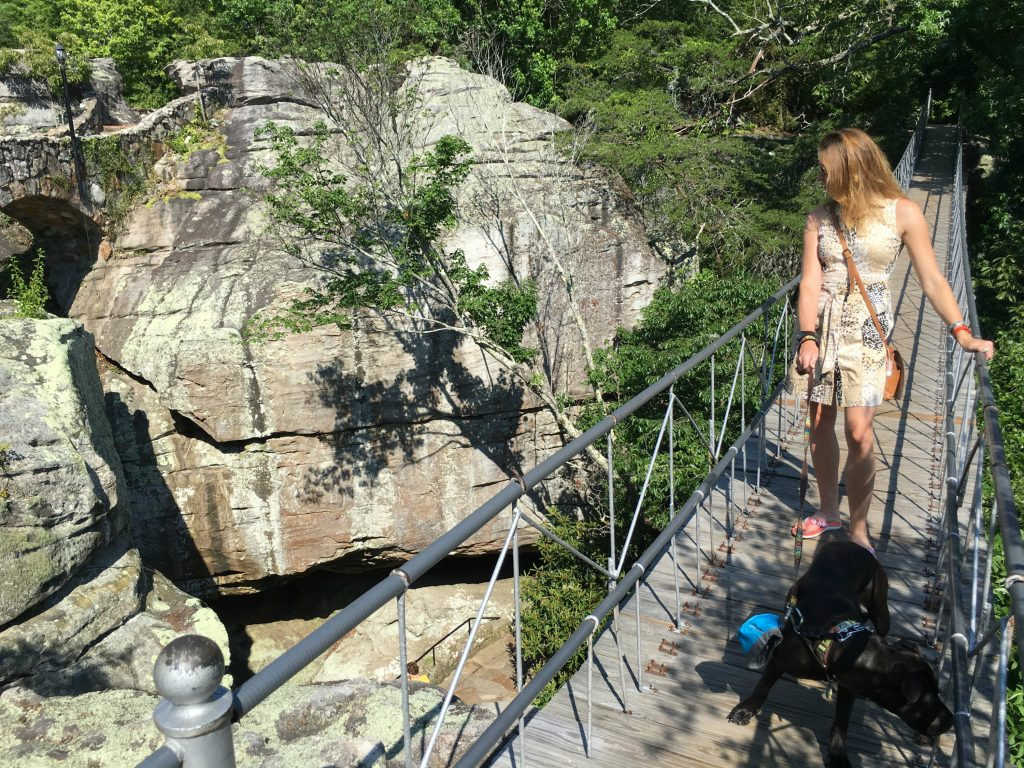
(825, 455)
(860, 469)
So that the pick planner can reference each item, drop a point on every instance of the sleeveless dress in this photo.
(851, 363)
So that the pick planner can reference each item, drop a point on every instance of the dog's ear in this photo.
(903, 677)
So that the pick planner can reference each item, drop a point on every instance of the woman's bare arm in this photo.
(810, 292)
(913, 228)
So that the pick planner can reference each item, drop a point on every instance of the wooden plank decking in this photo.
(691, 680)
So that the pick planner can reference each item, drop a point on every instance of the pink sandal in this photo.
(815, 526)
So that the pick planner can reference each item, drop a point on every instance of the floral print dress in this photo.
(851, 364)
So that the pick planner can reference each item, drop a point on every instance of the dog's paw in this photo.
(837, 760)
(740, 715)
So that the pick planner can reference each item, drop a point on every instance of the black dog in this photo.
(824, 639)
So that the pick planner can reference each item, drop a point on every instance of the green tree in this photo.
(534, 38)
(18, 17)
(382, 250)
(337, 30)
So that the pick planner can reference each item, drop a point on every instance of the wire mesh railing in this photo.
(904, 170)
(967, 533)
(731, 424)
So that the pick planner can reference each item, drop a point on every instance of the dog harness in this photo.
(821, 646)
(840, 633)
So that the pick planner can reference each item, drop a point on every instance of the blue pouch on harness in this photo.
(758, 637)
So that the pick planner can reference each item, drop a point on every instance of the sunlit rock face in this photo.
(62, 491)
(339, 448)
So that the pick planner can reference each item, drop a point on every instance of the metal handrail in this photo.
(967, 632)
(904, 171)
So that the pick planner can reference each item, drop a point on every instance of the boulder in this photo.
(340, 448)
(62, 491)
(106, 633)
(107, 85)
(354, 723)
(27, 106)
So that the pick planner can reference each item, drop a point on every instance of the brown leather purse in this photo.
(895, 368)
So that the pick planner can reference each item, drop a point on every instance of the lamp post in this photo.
(62, 61)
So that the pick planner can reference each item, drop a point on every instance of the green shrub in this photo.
(198, 133)
(558, 592)
(123, 179)
(29, 296)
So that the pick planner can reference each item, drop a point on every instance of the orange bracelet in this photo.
(955, 328)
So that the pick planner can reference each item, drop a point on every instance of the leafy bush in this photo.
(30, 296)
(558, 591)
(198, 133)
(123, 179)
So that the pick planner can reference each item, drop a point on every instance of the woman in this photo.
(837, 340)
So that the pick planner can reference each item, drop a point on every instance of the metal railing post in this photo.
(403, 675)
(195, 713)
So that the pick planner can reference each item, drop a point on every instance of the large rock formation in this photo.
(337, 448)
(62, 492)
(78, 611)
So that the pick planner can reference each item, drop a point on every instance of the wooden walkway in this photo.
(691, 680)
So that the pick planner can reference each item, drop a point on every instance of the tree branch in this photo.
(774, 74)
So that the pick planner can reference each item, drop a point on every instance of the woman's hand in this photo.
(807, 356)
(972, 344)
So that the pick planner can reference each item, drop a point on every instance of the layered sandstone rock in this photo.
(78, 611)
(338, 448)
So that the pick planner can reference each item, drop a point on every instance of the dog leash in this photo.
(798, 545)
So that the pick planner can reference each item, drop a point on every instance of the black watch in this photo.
(802, 336)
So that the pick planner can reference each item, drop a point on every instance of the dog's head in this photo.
(911, 692)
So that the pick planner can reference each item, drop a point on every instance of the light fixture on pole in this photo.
(62, 61)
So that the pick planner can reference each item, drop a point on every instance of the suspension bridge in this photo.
(663, 666)
(686, 676)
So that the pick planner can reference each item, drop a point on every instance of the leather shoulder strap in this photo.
(851, 269)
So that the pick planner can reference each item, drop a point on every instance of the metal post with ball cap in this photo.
(196, 711)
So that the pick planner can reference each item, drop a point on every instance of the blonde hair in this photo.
(857, 174)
